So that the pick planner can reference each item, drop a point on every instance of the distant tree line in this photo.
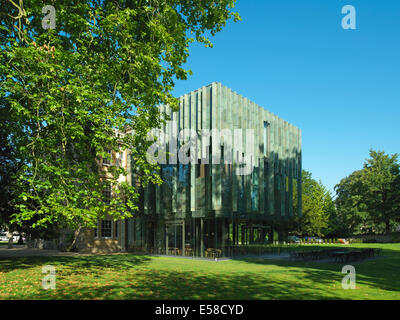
(367, 201)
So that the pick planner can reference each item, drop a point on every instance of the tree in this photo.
(351, 211)
(369, 199)
(8, 166)
(316, 207)
(334, 226)
(105, 67)
(380, 177)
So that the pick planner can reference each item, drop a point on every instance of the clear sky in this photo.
(340, 87)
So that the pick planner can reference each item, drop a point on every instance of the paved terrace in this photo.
(23, 251)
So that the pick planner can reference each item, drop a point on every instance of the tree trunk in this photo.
(72, 247)
(387, 226)
(10, 242)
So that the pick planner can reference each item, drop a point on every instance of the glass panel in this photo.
(189, 238)
(174, 236)
(131, 232)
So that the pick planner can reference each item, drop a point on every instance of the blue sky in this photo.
(340, 87)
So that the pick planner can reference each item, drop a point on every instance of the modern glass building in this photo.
(238, 187)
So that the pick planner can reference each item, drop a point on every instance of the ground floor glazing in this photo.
(200, 237)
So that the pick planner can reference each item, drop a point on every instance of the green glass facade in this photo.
(203, 206)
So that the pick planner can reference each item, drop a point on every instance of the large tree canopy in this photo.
(106, 66)
(351, 211)
(369, 199)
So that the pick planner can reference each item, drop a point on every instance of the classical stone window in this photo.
(107, 161)
(107, 194)
(106, 228)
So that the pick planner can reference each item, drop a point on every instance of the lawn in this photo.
(128, 276)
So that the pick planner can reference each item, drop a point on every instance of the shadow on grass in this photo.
(165, 285)
(380, 272)
(128, 276)
(121, 261)
(134, 277)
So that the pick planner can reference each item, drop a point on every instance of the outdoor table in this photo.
(340, 255)
(218, 253)
(209, 252)
(293, 255)
(174, 251)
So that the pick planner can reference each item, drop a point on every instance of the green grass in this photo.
(128, 276)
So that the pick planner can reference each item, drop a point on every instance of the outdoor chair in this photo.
(293, 255)
(188, 251)
(371, 252)
(174, 251)
(209, 253)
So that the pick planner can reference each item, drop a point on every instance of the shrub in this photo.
(396, 237)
